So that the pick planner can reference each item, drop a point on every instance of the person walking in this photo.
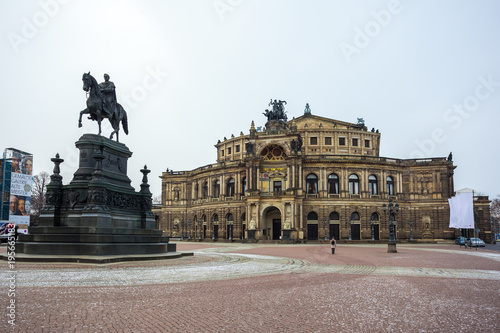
(333, 244)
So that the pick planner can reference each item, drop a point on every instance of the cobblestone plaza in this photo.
(234, 287)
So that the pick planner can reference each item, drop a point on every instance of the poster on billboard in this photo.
(21, 182)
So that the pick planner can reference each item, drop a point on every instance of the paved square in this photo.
(264, 288)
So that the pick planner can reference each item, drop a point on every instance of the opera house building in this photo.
(308, 179)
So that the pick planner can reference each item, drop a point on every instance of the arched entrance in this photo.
(271, 223)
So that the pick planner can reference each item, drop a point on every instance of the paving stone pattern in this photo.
(265, 288)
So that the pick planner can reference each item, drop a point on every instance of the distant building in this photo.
(309, 177)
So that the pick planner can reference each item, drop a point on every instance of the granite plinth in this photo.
(98, 212)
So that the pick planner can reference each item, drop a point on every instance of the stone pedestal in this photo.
(286, 234)
(391, 248)
(98, 212)
(251, 234)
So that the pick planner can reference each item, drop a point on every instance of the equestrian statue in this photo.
(101, 103)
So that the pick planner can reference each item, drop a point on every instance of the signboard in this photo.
(18, 182)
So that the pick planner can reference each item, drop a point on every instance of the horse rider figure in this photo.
(108, 91)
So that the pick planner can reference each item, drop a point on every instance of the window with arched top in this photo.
(374, 217)
(353, 184)
(215, 218)
(312, 216)
(355, 216)
(216, 188)
(333, 183)
(243, 185)
(230, 187)
(205, 190)
(196, 189)
(273, 153)
(311, 184)
(390, 185)
(334, 216)
(373, 185)
(230, 218)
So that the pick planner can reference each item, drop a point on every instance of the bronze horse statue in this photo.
(98, 108)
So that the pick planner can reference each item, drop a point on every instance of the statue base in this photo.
(251, 234)
(98, 213)
(276, 126)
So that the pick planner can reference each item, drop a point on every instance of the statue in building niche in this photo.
(278, 112)
(102, 103)
(296, 145)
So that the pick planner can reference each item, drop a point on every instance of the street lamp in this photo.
(349, 223)
(212, 225)
(182, 230)
(199, 229)
(372, 222)
(393, 210)
(410, 222)
(230, 225)
(326, 223)
(189, 227)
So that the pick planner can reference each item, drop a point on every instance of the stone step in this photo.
(94, 249)
(92, 238)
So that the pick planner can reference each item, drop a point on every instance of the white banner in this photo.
(462, 211)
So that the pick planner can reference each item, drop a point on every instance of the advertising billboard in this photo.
(17, 181)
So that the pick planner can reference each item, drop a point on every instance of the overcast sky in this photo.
(188, 73)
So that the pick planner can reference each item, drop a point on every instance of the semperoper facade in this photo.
(307, 178)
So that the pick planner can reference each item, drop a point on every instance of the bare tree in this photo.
(38, 192)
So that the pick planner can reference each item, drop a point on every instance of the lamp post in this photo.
(182, 230)
(212, 225)
(349, 224)
(410, 222)
(230, 226)
(189, 228)
(326, 223)
(199, 229)
(393, 210)
(372, 222)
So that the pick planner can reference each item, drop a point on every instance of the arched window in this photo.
(374, 217)
(196, 189)
(230, 187)
(273, 153)
(333, 184)
(334, 216)
(353, 184)
(216, 188)
(230, 218)
(243, 185)
(390, 185)
(373, 185)
(312, 184)
(312, 216)
(355, 216)
(205, 190)
(215, 218)
(204, 218)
